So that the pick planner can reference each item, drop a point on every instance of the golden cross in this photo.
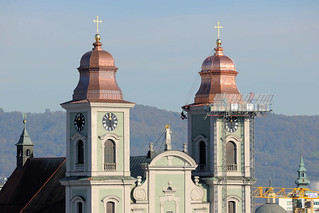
(97, 23)
(218, 27)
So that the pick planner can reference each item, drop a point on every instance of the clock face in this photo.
(231, 124)
(109, 121)
(79, 122)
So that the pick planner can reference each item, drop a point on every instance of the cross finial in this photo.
(218, 28)
(97, 21)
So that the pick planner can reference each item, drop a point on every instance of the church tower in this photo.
(98, 138)
(221, 134)
(24, 147)
(302, 180)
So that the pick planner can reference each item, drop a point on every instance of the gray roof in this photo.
(270, 208)
(35, 188)
(136, 162)
(25, 138)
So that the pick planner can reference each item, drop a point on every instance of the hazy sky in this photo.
(159, 48)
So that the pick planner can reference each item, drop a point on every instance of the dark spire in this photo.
(24, 137)
(24, 146)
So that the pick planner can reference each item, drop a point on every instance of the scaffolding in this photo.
(252, 160)
(224, 167)
(238, 104)
(250, 106)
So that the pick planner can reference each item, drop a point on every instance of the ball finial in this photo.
(24, 115)
(97, 37)
(219, 42)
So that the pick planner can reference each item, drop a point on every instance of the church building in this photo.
(213, 173)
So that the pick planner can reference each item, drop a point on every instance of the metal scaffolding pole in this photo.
(215, 166)
(224, 166)
(252, 159)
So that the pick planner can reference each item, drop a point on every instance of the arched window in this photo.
(110, 207)
(77, 204)
(110, 204)
(231, 158)
(79, 207)
(28, 152)
(202, 155)
(109, 155)
(231, 207)
(80, 152)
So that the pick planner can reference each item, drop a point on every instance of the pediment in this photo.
(233, 138)
(77, 136)
(109, 136)
(173, 159)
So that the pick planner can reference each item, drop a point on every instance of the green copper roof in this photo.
(302, 180)
(99, 178)
(270, 208)
(302, 167)
(25, 138)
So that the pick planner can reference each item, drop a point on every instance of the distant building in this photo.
(301, 182)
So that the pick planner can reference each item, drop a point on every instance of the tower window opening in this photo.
(231, 157)
(109, 155)
(28, 152)
(110, 207)
(231, 207)
(202, 155)
(79, 207)
(80, 152)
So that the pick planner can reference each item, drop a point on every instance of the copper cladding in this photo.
(218, 75)
(97, 76)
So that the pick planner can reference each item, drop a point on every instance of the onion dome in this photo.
(270, 208)
(218, 75)
(97, 76)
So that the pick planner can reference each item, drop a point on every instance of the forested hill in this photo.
(280, 140)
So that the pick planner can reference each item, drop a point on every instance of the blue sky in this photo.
(159, 48)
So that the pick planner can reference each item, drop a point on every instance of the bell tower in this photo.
(98, 137)
(221, 134)
(24, 146)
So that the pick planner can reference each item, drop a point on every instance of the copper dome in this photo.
(218, 76)
(97, 76)
(218, 62)
(97, 57)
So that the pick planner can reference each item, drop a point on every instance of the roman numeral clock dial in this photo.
(79, 122)
(109, 121)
